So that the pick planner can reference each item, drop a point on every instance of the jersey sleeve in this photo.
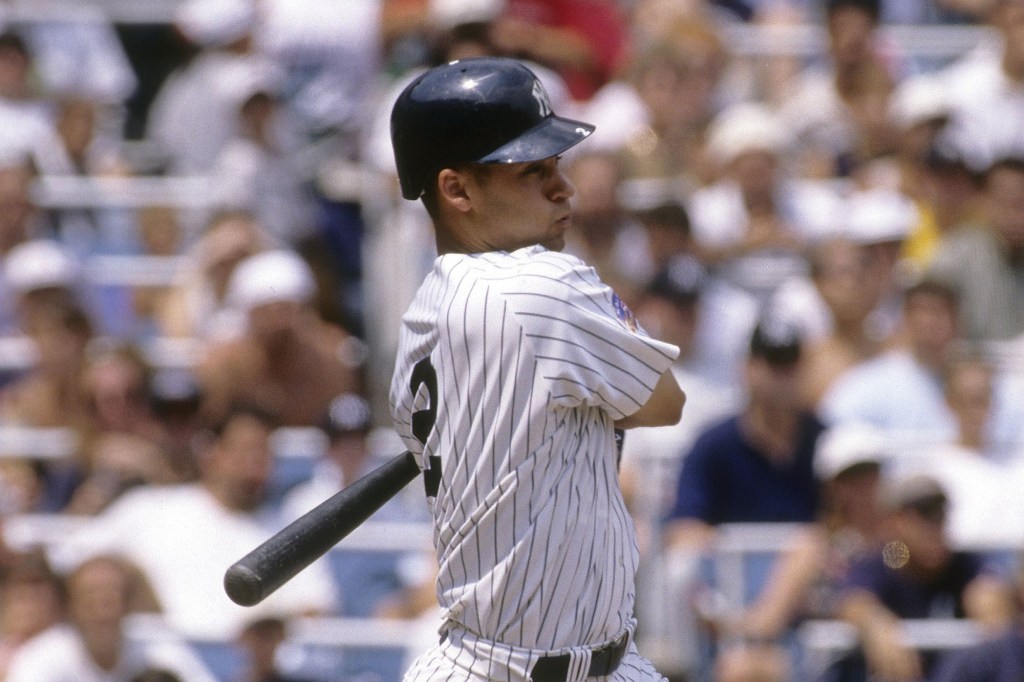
(588, 346)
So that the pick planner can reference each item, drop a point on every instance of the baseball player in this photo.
(516, 365)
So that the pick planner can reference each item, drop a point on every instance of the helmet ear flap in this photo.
(481, 110)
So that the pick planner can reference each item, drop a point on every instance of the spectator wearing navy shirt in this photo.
(756, 465)
(917, 575)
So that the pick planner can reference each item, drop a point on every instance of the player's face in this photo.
(522, 204)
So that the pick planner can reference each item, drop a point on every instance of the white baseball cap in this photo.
(846, 445)
(449, 13)
(41, 264)
(918, 99)
(880, 215)
(211, 23)
(269, 277)
(746, 127)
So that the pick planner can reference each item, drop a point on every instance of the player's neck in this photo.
(469, 240)
(453, 239)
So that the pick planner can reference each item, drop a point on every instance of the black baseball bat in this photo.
(259, 573)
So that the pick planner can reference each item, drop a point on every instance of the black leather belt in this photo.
(603, 661)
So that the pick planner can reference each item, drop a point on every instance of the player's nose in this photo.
(561, 187)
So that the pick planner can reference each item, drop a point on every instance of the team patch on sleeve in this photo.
(625, 315)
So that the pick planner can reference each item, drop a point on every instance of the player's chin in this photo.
(556, 243)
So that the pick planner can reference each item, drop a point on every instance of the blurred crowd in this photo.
(833, 236)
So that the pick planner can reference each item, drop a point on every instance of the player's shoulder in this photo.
(527, 260)
(540, 267)
(530, 270)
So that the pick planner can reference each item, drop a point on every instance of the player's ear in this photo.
(452, 190)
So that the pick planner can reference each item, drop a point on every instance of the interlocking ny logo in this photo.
(542, 98)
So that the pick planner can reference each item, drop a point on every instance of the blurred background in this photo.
(204, 260)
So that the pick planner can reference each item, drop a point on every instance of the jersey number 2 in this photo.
(423, 421)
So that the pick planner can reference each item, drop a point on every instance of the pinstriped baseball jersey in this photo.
(511, 370)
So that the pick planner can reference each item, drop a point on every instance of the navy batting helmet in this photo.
(480, 110)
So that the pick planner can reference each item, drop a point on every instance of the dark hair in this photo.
(819, 252)
(668, 213)
(931, 286)
(68, 314)
(245, 409)
(870, 7)
(777, 343)
(475, 32)
(33, 567)
(10, 40)
(681, 281)
(174, 391)
(156, 675)
(223, 215)
(1013, 164)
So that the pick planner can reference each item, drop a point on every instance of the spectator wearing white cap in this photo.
(932, 171)
(804, 580)
(752, 225)
(196, 305)
(288, 359)
(41, 272)
(919, 111)
(918, 574)
(880, 220)
(19, 221)
(917, 114)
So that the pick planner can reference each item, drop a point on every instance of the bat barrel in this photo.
(259, 573)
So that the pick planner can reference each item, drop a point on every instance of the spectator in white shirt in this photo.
(183, 537)
(92, 645)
